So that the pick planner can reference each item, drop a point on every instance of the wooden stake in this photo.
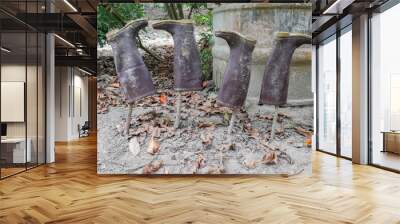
(178, 110)
(231, 124)
(274, 121)
(128, 118)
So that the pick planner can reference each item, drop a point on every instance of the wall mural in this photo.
(165, 107)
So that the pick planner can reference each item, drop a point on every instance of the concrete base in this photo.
(261, 21)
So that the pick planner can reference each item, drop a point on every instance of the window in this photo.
(346, 92)
(327, 95)
(385, 89)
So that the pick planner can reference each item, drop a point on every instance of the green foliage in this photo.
(112, 16)
(175, 11)
(203, 19)
(206, 41)
(115, 15)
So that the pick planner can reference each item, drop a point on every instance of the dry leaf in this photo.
(152, 167)
(138, 131)
(250, 164)
(283, 115)
(205, 125)
(267, 117)
(229, 146)
(156, 132)
(154, 146)
(115, 85)
(269, 146)
(253, 133)
(206, 139)
(216, 170)
(285, 156)
(205, 84)
(163, 99)
(134, 146)
(200, 162)
(303, 131)
(270, 158)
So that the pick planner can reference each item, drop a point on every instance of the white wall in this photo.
(70, 83)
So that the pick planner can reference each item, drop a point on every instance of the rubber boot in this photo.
(274, 89)
(234, 88)
(187, 66)
(133, 74)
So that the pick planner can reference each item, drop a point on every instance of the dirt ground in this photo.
(201, 144)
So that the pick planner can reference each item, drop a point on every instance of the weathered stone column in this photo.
(261, 21)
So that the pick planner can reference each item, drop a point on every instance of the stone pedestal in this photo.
(260, 21)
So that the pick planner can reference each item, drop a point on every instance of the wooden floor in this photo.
(70, 191)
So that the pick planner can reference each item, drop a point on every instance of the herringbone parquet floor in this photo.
(70, 191)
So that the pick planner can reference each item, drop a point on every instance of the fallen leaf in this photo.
(139, 131)
(308, 141)
(229, 146)
(163, 99)
(253, 133)
(206, 139)
(267, 117)
(270, 158)
(115, 85)
(216, 170)
(205, 84)
(285, 156)
(205, 124)
(154, 146)
(227, 118)
(156, 132)
(200, 162)
(134, 146)
(152, 167)
(303, 131)
(250, 164)
(269, 146)
(283, 115)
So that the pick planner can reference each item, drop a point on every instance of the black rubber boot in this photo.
(234, 88)
(133, 74)
(187, 66)
(274, 89)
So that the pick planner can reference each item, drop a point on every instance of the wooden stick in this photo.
(178, 110)
(231, 124)
(274, 121)
(128, 118)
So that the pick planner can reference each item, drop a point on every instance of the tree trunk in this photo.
(174, 11)
(180, 11)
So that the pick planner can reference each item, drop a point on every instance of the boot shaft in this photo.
(133, 74)
(275, 84)
(234, 88)
(123, 43)
(187, 66)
